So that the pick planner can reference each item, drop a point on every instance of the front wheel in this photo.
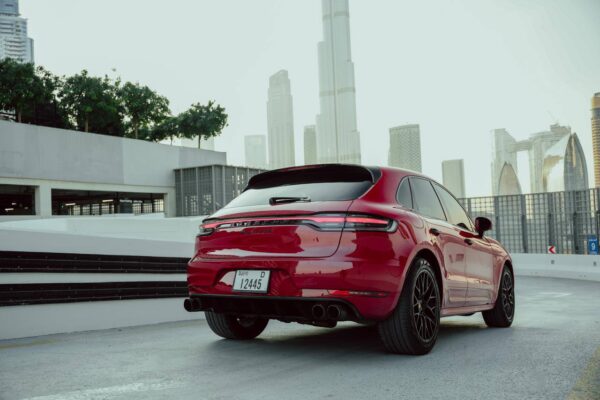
(413, 326)
(232, 327)
(501, 316)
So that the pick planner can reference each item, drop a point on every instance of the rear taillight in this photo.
(323, 222)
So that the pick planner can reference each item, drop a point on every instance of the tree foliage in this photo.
(20, 87)
(202, 121)
(144, 108)
(92, 104)
(101, 105)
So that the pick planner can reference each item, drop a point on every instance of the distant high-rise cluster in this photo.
(596, 136)
(338, 139)
(14, 42)
(310, 144)
(453, 175)
(405, 147)
(280, 121)
(255, 147)
(556, 161)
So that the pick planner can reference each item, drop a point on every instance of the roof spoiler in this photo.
(315, 174)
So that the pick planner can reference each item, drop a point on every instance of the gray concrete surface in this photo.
(555, 334)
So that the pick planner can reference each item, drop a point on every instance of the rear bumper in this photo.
(367, 290)
(283, 308)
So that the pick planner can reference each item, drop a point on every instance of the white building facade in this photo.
(405, 147)
(14, 42)
(255, 150)
(338, 139)
(453, 175)
(280, 121)
(505, 150)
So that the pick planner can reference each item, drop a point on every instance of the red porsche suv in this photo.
(326, 243)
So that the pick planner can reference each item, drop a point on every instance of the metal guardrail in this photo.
(531, 223)
(57, 263)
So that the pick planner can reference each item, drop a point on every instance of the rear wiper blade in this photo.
(282, 200)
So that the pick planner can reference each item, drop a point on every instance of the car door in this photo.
(445, 237)
(479, 257)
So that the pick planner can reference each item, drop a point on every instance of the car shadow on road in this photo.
(357, 339)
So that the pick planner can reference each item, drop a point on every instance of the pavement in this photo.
(550, 352)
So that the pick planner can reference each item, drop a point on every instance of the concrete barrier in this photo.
(564, 266)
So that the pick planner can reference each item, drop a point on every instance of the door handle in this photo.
(434, 232)
(468, 241)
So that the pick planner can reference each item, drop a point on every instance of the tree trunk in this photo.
(19, 116)
(135, 130)
(87, 124)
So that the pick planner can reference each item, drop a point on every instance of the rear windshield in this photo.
(320, 191)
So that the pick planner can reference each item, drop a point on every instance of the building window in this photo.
(89, 202)
(17, 200)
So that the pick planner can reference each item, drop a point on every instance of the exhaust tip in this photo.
(318, 311)
(334, 312)
(187, 304)
(192, 305)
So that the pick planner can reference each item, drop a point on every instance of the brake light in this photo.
(323, 222)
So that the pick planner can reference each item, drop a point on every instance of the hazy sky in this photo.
(457, 68)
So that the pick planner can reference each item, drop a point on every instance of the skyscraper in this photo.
(14, 42)
(596, 136)
(338, 139)
(453, 175)
(280, 121)
(405, 147)
(310, 145)
(505, 150)
(255, 148)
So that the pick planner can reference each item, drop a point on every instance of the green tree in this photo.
(143, 108)
(167, 129)
(92, 103)
(20, 87)
(47, 110)
(202, 121)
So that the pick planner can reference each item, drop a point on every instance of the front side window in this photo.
(456, 214)
(426, 201)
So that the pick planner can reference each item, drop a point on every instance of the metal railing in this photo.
(531, 223)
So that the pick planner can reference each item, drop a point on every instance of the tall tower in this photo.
(453, 175)
(280, 121)
(596, 136)
(338, 139)
(255, 147)
(310, 145)
(14, 42)
(405, 147)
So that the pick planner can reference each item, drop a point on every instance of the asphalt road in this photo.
(544, 354)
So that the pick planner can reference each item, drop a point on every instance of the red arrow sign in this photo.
(551, 249)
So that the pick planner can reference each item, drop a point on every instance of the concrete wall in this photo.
(35, 320)
(50, 158)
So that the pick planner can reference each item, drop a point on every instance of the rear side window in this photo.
(404, 196)
(318, 191)
(456, 214)
(426, 201)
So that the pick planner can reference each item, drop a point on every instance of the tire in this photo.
(232, 327)
(503, 313)
(412, 328)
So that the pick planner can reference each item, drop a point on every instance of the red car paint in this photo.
(365, 269)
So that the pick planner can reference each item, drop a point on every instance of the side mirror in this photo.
(482, 225)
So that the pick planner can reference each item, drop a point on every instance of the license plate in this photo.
(251, 281)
